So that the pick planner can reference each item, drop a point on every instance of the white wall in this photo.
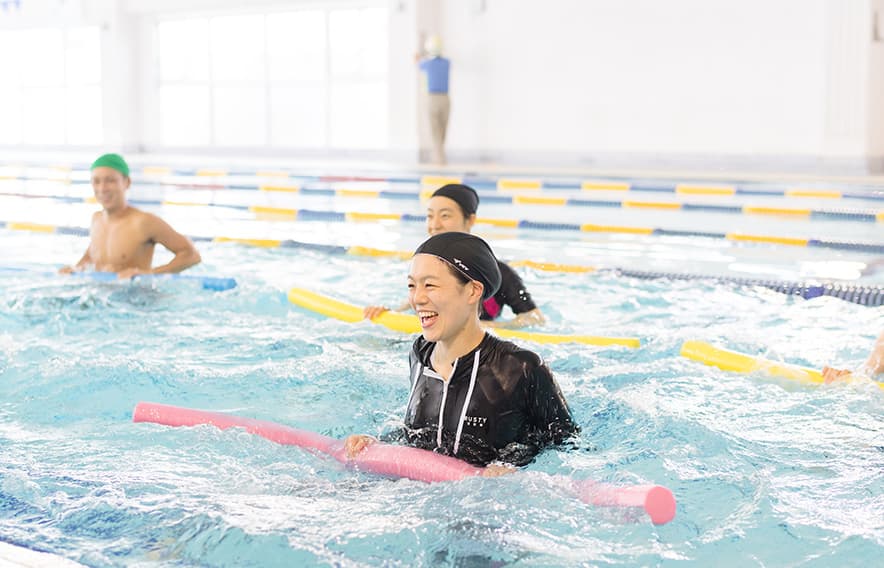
(403, 90)
(681, 76)
(847, 79)
(874, 115)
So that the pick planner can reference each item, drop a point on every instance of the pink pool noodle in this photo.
(403, 461)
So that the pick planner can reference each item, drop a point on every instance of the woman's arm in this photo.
(513, 293)
(549, 410)
(524, 319)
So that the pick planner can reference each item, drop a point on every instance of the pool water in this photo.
(766, 472)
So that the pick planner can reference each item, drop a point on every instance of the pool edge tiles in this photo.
(14, 555)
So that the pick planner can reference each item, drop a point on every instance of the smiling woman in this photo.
(501, 404)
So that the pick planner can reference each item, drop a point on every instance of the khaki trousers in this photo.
(439, 106)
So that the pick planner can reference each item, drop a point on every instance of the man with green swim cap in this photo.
(122, 238)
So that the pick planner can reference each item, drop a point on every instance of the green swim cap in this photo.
(114, 161)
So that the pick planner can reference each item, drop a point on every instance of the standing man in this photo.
(121, 237)
(435, 68)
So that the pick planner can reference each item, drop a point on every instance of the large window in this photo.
(50, 87)
(304, 79)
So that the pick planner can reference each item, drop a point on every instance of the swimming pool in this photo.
(765, 471)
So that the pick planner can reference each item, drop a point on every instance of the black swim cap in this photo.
(464, 195)
(469, 255)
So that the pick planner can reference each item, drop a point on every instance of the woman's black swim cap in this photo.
(464, 195)
(469, 255)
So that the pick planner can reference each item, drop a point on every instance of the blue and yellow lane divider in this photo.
(691, 189)
(41, 228)
(868, 295)
(504, 183)
(337, 216)
(683, 189)
(857, 294)
(152, 174)
(605, 186)
(870, 216)
(273, 213)
(439, 181)
(736, 362)
(547, 266)
(280, 188)
(816, 193)
(354, 216)
(407, 323)
(33, 227)
(510, 184)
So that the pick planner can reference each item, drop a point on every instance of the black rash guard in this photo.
(501, 404)
(511, 293)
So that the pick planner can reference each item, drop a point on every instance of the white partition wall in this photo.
(51, 97)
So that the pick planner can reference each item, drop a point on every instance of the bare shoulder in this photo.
(144, 216)
(97, 221)
(136, 213)
(147, 220)
(157, 230)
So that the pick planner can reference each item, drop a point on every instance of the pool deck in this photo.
(18, 556)
(721, 172)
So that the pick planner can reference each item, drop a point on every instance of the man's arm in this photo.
(86, 259)
(161, 232)
(185, 253)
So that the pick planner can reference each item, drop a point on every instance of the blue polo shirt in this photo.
(436, 69)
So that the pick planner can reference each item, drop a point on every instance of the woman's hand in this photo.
(497, 469)
(831, 375)
(354, 444)
(372, 312)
